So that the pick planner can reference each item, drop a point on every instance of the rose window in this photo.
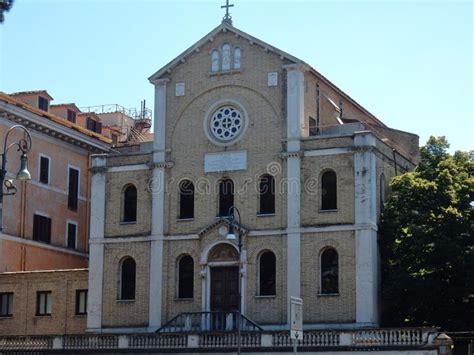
(226, 123)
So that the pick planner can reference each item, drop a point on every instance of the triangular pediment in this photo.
(222, 222)
(288, 59)
(224, 27)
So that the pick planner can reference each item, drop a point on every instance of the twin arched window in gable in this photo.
(226, 58)
(127, 279)
(329, 271)
(329, 191)
(129, 203)
(185, 277)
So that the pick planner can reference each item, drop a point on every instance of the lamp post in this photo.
(23, 146)
(231, 236)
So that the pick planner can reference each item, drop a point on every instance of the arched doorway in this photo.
(223, 261)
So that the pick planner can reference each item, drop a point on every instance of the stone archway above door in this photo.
(223, 252)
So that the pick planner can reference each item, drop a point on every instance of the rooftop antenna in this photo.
(227, 18)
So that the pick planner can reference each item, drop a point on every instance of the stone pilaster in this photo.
(366, 234)
(295, 124)
(158, 207)
(96, 248)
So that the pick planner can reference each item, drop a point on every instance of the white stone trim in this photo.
(135, 167)
(159, 122)
(94, 293)
(181, 237)
(96, 250)
(322, 326)
(33, 243)
(295, 108)
(327, 151)
(295, 126)
(121, 330)
(366, 239)
(259, 233)
(156, 247)
(42, 214)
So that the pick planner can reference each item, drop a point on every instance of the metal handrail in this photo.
(208, 322)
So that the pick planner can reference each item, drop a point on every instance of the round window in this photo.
(226, 123)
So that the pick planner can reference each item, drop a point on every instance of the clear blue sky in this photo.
(409, 63)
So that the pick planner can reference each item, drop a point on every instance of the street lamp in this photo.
(231, 236)
(23, 146)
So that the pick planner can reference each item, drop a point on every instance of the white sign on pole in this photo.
(296, 310)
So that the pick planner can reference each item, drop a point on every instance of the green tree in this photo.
(5, 5)
(427, 242)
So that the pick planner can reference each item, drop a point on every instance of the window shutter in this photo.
(47, 230)
(36, 227)
(44, 170)
(73, 189)
(71, 235)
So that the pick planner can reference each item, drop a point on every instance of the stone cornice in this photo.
(52, 129)
(98, 169)
(220, 221)
(162, 81)
(297, 66)
(286, 155)
(364, 149)
(165, 164)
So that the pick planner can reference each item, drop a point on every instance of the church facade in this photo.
(243, 126)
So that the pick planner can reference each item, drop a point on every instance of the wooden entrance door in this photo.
(225, 288)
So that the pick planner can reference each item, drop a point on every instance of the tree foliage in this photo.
(427, 242)
(5, 5)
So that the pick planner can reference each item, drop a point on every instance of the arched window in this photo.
(130, 204)
(127, 279)
(186, 277)
(267, 276)
(266, 189)
(329, 271)
(226, 196)
(215, 61)
(226, 60)
(237, 55)
(186, 199)
(329, 191)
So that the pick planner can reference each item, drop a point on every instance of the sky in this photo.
(410, 63)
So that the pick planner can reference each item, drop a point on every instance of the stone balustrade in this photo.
(337, 340)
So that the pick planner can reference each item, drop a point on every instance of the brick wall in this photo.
(24, 285)
(125, 313)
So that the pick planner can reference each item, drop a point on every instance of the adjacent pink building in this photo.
(46, 223)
